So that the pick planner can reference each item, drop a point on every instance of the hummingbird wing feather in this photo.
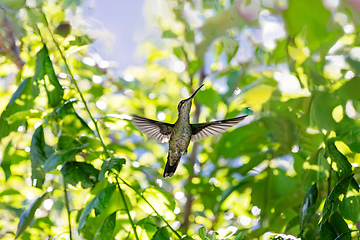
(154, 129)
(209, 129)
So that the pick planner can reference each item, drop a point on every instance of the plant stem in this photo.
(127, 209)
(136, 191)
(77, 88)
(67, 205)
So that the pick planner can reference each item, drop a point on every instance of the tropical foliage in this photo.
(74, 167)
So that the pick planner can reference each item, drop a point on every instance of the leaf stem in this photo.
(77, 88)
(67, 205)
(138, 193)
(127, 209)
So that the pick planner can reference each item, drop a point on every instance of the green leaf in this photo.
(75, 172)
(343, 167)
(349, 89)
(45, 76)
(321, 110)
(327, 231)
(6, 161)
(38, 157)
(28, 215)
(110, 164)
(202, 232)
(338, 223)
(307, 206)
(314, 23)
(106, 229)
(61, 157)
(240, 236)
(168, 34)
(348, 131)
(333, 200)
(21, 100)
(161, 234)
(99, 203)
(24, 115)
(148, 225)
(347, 206)
(71, 123)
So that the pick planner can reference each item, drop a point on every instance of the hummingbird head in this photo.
(185, 104)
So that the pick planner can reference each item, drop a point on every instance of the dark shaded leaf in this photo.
(21, 100)
(106, 229)
(327, 231)
(75, 172)
(161, 234)
(307, 206)
(343, 167)
(61, 157)
(71, 123)
(6, 161)
(111, 164)
(332, 201)
(28, 215)
(99, 203)
(38, 157)
(46, 77)
(338, 223)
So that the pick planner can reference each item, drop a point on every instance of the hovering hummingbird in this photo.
(181, 132)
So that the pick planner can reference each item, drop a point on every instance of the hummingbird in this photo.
(181, 132)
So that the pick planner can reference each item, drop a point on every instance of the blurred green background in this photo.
(74, 167)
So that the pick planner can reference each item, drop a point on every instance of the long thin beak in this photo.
(195, 91)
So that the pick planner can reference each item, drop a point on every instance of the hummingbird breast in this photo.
(179, 141)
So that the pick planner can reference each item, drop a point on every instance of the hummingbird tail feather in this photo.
(170, 170)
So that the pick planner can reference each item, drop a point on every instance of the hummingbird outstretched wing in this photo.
(154, 129)
(209, 129)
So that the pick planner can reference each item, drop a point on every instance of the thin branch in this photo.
(161, 217)
(127, 209)
(67, 205)
(78, 89)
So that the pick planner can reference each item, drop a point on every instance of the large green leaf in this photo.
(28, 215)
(348, 131)
(71, 123)
(307, 206)
(45, 76)
(312, 18)
(343, 166)
(333, 200)
(75, 172)
(111, 164)
(21, 100)
(6, 160)
(161, 234)
(61, 157)
(148, 226)
(106, 229)
(38, 157)
(99, 203)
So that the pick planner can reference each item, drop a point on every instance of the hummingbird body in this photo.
(181, 132)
